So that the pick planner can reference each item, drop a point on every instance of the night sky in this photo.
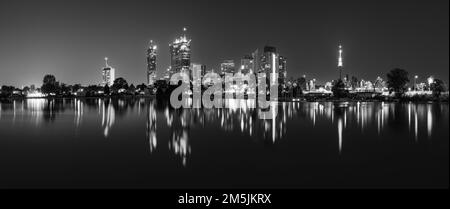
(70, 38)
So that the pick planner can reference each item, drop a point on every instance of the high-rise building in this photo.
(340, 62)
(180, 51)
(227, 66)
(108, 74)
(269, 62)
(256, 61)
(282, 68)
(151, 63)
(167, 74)
(203, 70)
(247, 65)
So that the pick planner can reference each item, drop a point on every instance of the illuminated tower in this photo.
(108, 74)
(282, 75)
(269, 62)
(180, 52)
(151, 63)
(340, 62)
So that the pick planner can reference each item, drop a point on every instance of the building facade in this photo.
(227, 66)
(340, 62)
(256, 61)
(247, 65)
(282, 69)
(198, 71)
(151, 63)
(269, 62)
(108, 74)
(180, 52)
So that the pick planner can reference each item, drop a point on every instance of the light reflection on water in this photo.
(240, 116)
(132, 142)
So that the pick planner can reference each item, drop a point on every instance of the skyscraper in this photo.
(247, 64)
(203, 70)
(340, 62)
(197, 72)
(151, 63)
(256, 61)
(180, 52)
(227, 66)
(269, 62)
(108, 74)
(282, 68)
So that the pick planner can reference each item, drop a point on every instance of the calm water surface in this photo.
(143, 143)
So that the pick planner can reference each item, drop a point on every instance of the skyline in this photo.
(71, 40)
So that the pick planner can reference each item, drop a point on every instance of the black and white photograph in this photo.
(224, 103)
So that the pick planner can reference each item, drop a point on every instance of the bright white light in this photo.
(273, 68)
(35, 95)
(430, 80)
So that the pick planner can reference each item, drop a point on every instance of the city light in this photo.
(430, 80)
(35, 95)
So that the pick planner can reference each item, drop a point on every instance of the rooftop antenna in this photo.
(106, 61)
(184, 32)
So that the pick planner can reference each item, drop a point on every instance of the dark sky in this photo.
(70, 38)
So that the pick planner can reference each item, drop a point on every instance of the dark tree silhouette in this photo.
(397, 79)
(437, 87)
(302, 83)
(338, 89)
(142, 87)
(7, 91)
(354, 82)
(132, 89)
(49, 84)
(120, 83)
(106, 90)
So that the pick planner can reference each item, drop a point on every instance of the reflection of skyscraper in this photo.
(108, 74)
(180, 125)
(180, 52)
(151, 63)
(151, 126)
(108, 117)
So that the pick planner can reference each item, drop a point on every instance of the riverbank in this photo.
(443, 99)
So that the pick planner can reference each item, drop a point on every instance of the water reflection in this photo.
(240, 116)
(151, 126)
(108, 117)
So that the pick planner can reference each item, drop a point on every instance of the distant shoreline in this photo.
(300, 99)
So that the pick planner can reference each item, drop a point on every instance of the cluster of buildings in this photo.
(269, 61)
